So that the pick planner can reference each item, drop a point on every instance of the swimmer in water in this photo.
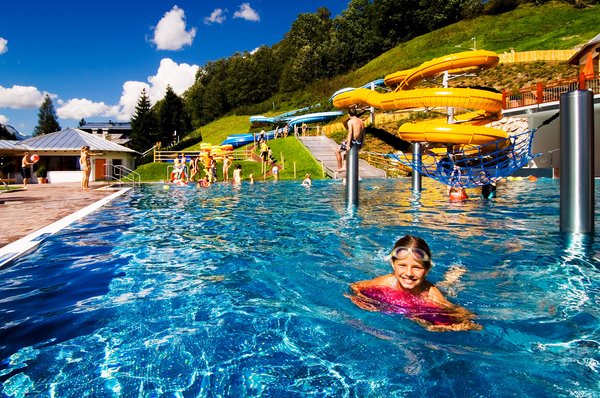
(407, 290)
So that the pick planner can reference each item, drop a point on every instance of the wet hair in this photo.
(352, 112)
(416, 242)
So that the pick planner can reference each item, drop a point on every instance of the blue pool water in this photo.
(240, 292)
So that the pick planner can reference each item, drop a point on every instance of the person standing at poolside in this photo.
(411, 262)
(26, 169)
(226, 165)
(85, 164)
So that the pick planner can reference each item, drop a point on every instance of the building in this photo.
(118, 133)
(59, 153)
(586, 58)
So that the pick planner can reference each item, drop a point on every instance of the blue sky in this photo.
(94, 57)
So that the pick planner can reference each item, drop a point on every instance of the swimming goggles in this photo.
(402, 252)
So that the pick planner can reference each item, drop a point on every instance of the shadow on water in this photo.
(46, 296)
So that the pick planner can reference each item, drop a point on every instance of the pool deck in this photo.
(23, 212)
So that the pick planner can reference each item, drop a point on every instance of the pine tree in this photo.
(173, 117)
(47, 120)
(144, 128)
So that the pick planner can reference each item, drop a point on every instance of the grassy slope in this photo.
(551, 26)
(295, 155)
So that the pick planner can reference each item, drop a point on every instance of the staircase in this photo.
(323, 149)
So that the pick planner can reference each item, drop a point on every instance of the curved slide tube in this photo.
(238, 140)
(403, 97)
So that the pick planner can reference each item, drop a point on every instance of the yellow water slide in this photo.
(467, 128)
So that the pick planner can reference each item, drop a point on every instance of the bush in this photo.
(42, 171)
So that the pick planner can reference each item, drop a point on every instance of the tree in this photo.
(173, 118)
(47, 120)
(144, 128)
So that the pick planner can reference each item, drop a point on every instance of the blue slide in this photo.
(238, 140)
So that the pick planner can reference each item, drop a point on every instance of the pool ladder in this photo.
(122, 175)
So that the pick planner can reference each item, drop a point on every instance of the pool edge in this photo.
(29, 242)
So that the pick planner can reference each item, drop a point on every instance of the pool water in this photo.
(238, 292)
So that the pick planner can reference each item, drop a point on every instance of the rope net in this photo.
(473, 166)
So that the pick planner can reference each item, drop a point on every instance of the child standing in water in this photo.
(407, 291)
(237, 174)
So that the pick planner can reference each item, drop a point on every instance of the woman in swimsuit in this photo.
(407, 290)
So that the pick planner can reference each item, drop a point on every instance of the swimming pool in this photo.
(240, 292)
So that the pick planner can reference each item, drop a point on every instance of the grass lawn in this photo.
(289, 153)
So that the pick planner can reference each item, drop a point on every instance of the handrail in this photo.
(549, 92)
(169, 156)
(121, 173)
(148, 151)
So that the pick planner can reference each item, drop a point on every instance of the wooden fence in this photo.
(532, 56)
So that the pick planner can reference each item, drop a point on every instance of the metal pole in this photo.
(416, 166)
(352, 176)
(372, 109)
(577, 162)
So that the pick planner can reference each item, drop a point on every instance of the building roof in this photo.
(10, 144)
(106, 125)
(574, 60)
(72, 139)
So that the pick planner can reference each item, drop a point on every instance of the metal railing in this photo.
(121, 174)
(542, 93)
(169, 156)
(392, 167)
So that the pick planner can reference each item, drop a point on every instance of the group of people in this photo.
(181, 174)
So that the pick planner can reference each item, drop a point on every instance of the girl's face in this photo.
(409, 272)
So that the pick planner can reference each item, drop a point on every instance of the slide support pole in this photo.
(416, 166)
(352, 176)
(577, 162)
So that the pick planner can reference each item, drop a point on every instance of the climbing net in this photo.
(473, 166)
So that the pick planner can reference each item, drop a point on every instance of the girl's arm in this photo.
(385, 280)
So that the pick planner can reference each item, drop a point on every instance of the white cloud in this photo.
(246, 12)
(171, 33)
(77, 108)
(217, 16)
(3, 45)
(179, 76)
(129, 98)
(3, 119)
(21, 97)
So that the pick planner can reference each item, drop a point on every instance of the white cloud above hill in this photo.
(170, 32)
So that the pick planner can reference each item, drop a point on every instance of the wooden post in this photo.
(582, 85)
